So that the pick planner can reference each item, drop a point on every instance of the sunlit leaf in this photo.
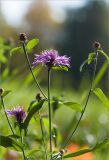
(32, 43)
(32, 151)
(90, 57)
(81, 152)
(36, 107)
(100, 74)
(73, 105)
(99, 93)
(60, 68)
(104, 54)
(16, 50)
(5, 93)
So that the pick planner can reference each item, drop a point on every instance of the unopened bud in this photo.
(22, 37)
(39, 97)
(96, 45)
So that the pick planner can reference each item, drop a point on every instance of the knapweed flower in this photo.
(51, 58)
(18, 113)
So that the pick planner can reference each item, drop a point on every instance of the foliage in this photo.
(43, 108)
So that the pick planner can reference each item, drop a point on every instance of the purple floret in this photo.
(51, 58)
(18, 113)
(62, 61)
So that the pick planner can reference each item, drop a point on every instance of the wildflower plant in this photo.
(52, 149)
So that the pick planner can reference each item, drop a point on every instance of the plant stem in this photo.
(7, 116)
(41, 125)
(87, 100)
(30, 67)
(49, 108)
(21, 137)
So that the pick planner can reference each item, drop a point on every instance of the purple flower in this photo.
(18, 113)
(51, 58)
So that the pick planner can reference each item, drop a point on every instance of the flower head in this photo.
(51, 58)
(18, 113)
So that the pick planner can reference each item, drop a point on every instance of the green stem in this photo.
(49, 109)
(21, 137)
(87, 100)
(7, 116)
(30, 67)
(41, 125)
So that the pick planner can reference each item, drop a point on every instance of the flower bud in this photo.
(96, 45)
(22, 37)
(1, 91)
(39, 97)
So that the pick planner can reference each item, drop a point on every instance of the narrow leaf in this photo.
(99, 93)
(60, 68)
(5, 93)
(81, 152)
(32, 151)
(104, 54)
(15, 50)
(100, 74)
(78, 153)
(83, 64)
(73, 105)
(90, 57)
(36, 107)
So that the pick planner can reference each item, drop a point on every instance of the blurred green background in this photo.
(71, 27)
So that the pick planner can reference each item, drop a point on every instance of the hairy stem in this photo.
(49, 109)
(7, 116)
(87, 100)
(43, 137)
(30, 67)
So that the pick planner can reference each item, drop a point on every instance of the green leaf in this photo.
(5, 93)
(3, 59)
(15, 50)
(36, 107)
(75, 154)
(104, 54)
(83, 64)
(100, 74)
(99, 93)
(32, 151)
(32, 43)
(81, 152)
(9, 142)
(60, 68)
(90, 57)
(73, 105)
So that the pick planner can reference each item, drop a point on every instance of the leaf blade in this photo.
(99, 93)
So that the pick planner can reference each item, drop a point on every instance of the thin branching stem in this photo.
(43, 137)
(49, 109)
(30, 67)
(87, 100)
(2, 101)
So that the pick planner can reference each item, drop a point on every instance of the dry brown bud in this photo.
(96, 45)
(22, 37)
(39, 97)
